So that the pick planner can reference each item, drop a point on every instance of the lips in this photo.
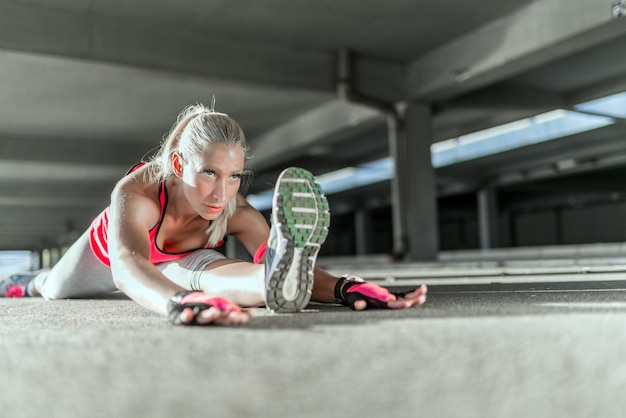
(214, 209)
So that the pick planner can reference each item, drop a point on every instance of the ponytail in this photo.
(160, 166)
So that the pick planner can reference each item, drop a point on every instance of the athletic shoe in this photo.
(14, 286)
(299, 226)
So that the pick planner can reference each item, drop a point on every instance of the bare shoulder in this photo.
(135, 197)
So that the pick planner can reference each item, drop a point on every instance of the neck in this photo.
(177, 206)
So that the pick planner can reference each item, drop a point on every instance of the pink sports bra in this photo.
(98, 233)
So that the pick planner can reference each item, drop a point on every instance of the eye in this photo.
(236, 177)
(209, 173)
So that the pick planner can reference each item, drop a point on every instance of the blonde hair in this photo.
(196, 128)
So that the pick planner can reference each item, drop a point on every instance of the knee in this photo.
(119, 285)
(52, 294)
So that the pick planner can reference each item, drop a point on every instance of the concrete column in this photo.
(395, 127)
(363, 231)
(488, 218)
(35, 260)
(230, 248)
(413, 194)
(55, 255)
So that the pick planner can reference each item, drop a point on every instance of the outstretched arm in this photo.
(361, 295)
(132, 214)
(252, 230)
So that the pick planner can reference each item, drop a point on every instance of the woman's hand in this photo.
(408, 300)
(359, 295)
(198, 308)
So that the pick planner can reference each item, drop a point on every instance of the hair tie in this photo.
(211, 109)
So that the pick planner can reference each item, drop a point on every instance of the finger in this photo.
(239, 317)
(399, 304)
(417, 299)
(420, 300)
(422, 290)
(216, 316)
(233, 318)
(186, 316)
(407, 303)
(208, 316)
(360, 305)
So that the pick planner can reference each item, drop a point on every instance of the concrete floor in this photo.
(484, 350)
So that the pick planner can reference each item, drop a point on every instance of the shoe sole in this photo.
(303, 218)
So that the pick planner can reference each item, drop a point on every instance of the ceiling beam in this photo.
(539, 33)
(509, 96)
(86, 34)
(89, 35)
(604, 88)
(310, 133)
(50, 202)
(69, 152)
(12, 170)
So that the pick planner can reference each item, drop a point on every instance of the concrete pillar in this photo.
(35, 260)
(363, 231)
(230, 248)
(488, 233)
(413, 194)
(395, 127)
(55, 255)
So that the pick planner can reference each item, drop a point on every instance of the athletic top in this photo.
(98, 233)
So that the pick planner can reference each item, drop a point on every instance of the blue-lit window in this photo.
(15, 262)
(548, 126)
(614, 105)
(545, 127)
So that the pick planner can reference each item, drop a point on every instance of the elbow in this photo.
(121, 278)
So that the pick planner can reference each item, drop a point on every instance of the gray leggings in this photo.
(79, 274)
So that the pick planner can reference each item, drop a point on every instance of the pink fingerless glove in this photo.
(197, 301)
(350, 289)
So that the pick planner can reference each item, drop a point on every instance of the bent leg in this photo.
(238, 281)
(78, 274)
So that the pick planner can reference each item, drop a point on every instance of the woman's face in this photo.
(212, 179)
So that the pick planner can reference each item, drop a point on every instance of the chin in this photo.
(210, 216)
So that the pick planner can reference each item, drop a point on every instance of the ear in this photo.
(177, 164)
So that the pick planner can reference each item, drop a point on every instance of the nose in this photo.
(219, 191)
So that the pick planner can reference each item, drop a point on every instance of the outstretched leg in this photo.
(207, 270)
(300, 221)
(78, 274)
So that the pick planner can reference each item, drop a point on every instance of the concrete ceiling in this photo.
(88, 87)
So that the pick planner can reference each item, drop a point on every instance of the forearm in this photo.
(323, 286)
(143, 282)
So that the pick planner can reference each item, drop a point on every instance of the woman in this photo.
(156, 240)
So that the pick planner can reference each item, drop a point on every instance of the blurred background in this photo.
(433, 127)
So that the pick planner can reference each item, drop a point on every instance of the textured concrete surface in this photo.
(516, 350)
